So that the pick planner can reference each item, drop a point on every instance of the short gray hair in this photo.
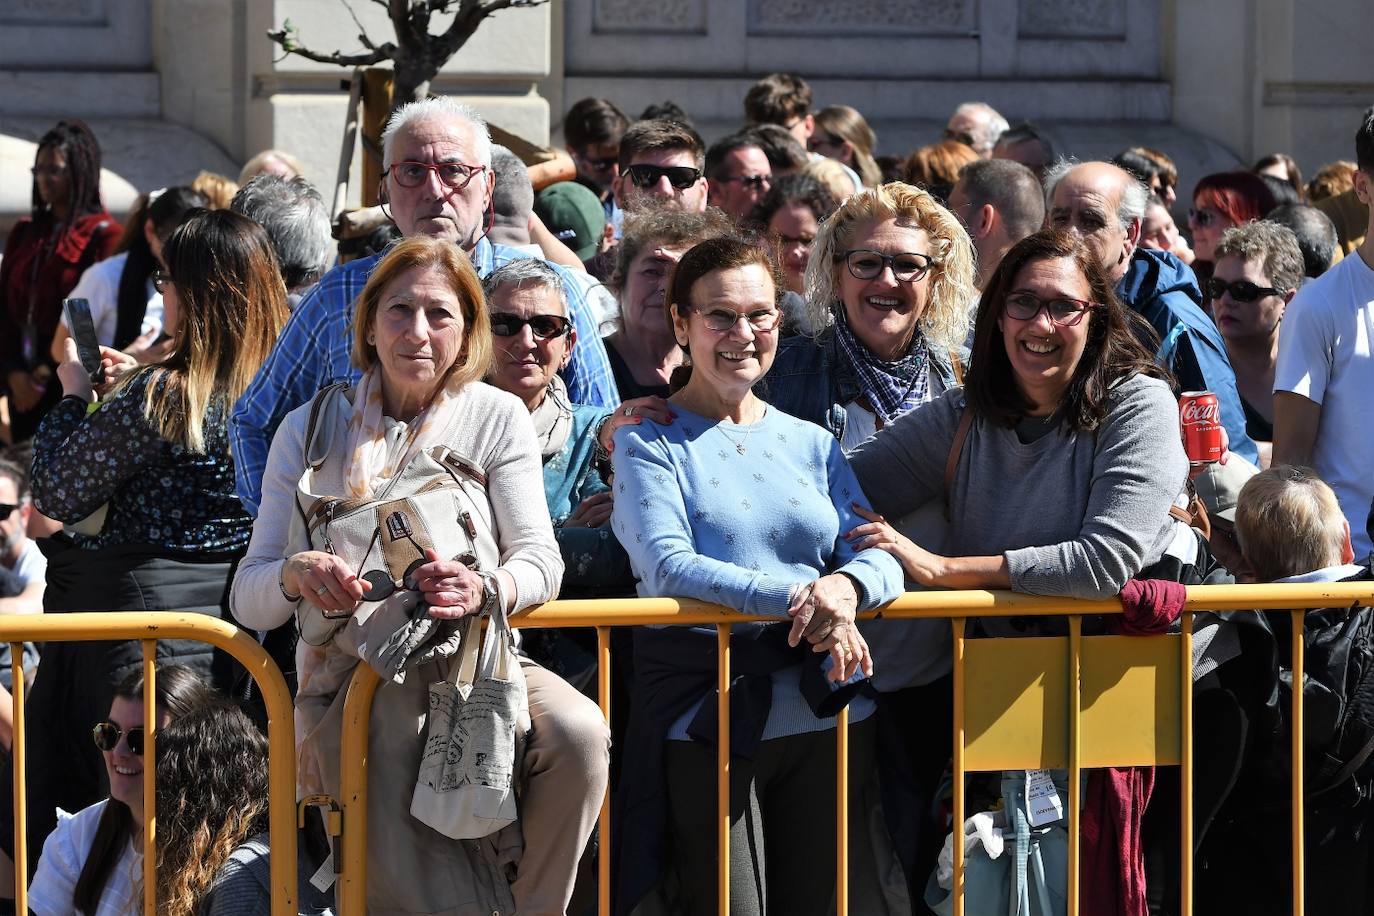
(1135, 194)
(1274, 246)
(526, 272)
(294, 217)
(996, 126)
(512, 198)
(434, 109)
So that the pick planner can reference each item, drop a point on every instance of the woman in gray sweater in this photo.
(1065, 445)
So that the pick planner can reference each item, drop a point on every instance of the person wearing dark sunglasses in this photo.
(92, 862)
(592, 131)
(738, 175)
(22, 564)
(532, 339)
(662, 159)
(1258, 270)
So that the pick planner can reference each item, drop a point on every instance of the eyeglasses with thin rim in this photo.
(1063, 311)
(455, 175)
(160, 280)
(751, 182)
(1240, 290)
(1203, 216)
(907, 266)
(723, 319)
(545, 327)
(680, 177)
(107, 734)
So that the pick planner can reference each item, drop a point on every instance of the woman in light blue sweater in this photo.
(739, 504)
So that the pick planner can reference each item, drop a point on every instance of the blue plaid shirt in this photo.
(314, 351)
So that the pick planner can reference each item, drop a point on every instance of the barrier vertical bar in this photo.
(1075, 710)
(149, 777)
(357, 715)
(18, 755)
(957, 625)
(1185, 742)
(603, 693)
(723, 768)
(842, 812)
(1298, 647)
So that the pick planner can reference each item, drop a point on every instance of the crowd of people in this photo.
(784, 373)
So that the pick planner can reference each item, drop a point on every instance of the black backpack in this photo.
(1338, 697)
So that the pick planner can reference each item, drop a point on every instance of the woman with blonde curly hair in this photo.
(890, 283)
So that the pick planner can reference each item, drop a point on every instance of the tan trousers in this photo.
(564, 773)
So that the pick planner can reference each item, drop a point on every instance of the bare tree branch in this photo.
(289, 45)
(367, 42)
(470, 16)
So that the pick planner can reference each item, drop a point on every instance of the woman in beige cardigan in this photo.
(422, 337)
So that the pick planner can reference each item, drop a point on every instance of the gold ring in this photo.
(628, 411)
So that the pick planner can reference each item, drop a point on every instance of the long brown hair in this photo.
(1112, 353)
(232, 306)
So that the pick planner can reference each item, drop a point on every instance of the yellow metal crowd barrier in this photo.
(1039, 702)
(148, 628)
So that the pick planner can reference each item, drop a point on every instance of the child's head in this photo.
(1288, 522)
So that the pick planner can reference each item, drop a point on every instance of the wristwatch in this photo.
(490, 595)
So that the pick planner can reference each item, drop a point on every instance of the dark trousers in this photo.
(782, 823)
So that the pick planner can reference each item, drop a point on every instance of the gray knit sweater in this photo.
(1075, 514)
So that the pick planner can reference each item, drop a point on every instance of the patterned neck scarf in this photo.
(892, 388)
(376, 458)
(553, 419)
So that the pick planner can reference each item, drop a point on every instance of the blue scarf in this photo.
(892, 388)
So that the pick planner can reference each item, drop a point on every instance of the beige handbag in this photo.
(466, 785)
(438, 500)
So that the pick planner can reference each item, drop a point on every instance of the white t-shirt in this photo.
(32, 566)
(1324, 355)
(100, 286)
(65, 852)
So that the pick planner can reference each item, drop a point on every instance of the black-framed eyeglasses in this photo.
(1240, 290)
(107, 734)
(160, 280)
(1063, 311)
(545, 327)
(907, 266)
(455, 175)
(7, 509)
(752, 182)
(1203, 216)
(680, 177)
(723, 319)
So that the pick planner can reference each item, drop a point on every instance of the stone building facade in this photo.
(173, 86)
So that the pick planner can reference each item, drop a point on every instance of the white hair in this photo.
(996, 125)
(1135, 194)
(438, 108)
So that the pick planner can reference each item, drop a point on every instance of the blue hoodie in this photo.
(1163, 291)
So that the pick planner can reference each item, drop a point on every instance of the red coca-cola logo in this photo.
(1197, 412)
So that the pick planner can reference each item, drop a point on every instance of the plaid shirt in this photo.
(314, 351)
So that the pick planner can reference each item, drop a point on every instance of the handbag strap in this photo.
(497, 649)
(956, 448)
(322, 396)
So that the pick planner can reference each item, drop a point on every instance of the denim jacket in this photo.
(812, 379)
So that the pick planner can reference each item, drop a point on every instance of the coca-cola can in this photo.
(1199, 418)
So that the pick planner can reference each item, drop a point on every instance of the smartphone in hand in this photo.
(77, 314)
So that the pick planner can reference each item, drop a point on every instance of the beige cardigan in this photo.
(411, 868)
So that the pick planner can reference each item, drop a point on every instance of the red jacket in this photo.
(39, 272)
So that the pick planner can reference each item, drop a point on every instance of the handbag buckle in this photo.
(398, 526)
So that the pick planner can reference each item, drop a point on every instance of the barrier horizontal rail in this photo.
(957, 606)
(148, 627)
